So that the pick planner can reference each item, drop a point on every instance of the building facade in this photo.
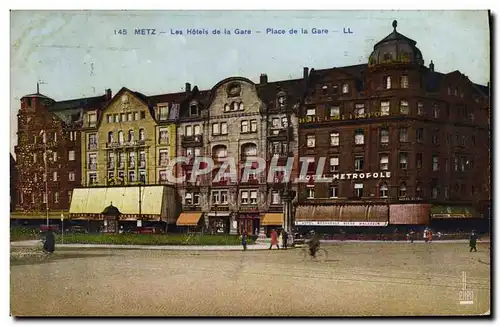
(47, 128)
(404, 144)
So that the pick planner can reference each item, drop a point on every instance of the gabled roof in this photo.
(294, 89)
(96, 102)
(38, 95)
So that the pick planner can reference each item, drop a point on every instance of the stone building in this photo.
(51, 127)
(405, 144)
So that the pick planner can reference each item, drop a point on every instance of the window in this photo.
(419, 160)
(253, 197)
(123, 117)
(253, 125)
(143, 115)
(130, 116)
(193, 108)
(142, 159)
(358, 163)
(358, 190)
(420, 135)
(418, 190)
(117, 118)
(142, 176)
(334, 111)
(402, 190)
(130, 135)
(34, 157)
(121, 176)
(275, 198)
(334, 139)
(111, 160)
(420, 108)
(435, 137)
(311, 141)
(121, 139)
(387, 82)
(215, 129)
(384, 136)
(403, 135)
(72, 135)
(333, 191)
(163, 135)
(121, 160)
(163, 157)
(310, 192)
(455, 91)
(334, 164)
(55, 136)
(197, 129)
(385, 107)
(403, 107)
(359, 109)
(244, 126)
(44, 177)
(44, 137)
(359, 137)
(92, 141)
(32, 198)
(44, 196)
(142, 135)
(384, 190)
(163, 112)
(110, 137)
(455, 163)
(223, 128)
(71, 155)
(311, 112)
(131, 160)
(92, 178)
(435, 163)
(71, 176)
(163, 175)
(445, 163)
(189, 198)
(131, 176)
(109, 118)
(284, 122)
(56, 197)
(449, 90)
(435, 192)
(54, 176)
(92, 119)
(403, 161)
(435, 108)
(276, 123)
(35, 178)
(136, 116)
(447, 192)
(345, 88)
(189, 130)
(384, 162)
(404, 81)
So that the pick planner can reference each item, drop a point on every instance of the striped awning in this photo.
(189, 219)
(272, 219)
(342, 215)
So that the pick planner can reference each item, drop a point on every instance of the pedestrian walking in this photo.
(284, 236)
(244, 240)
(412, 236)
(426, 235)
(274, 239)
(429, 234)
(473, 241)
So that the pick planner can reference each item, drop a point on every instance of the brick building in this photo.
(405, 144)
(48, 126)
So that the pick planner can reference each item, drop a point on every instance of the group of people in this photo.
(279, 240)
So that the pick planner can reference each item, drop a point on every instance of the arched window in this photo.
(248, 150)
(219, 152)
(384, 190)
(226, 107)
(242, 107)
(110, 137)
(402, 190)
(359, 137)
(121, 140)
(234, 106)
(142, 134)
(130, 135)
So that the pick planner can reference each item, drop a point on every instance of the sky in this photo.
(81, 53)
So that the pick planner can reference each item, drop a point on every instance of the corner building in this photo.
(405, 145)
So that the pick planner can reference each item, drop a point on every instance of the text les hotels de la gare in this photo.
(228, 31)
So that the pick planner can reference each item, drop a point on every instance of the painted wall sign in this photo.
(340, 223)
(348, 176)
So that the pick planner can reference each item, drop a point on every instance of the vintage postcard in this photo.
(250, 163)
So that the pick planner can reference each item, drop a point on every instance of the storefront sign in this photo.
(314, 119)
(410, 198)
(340, 223)
(348, 176)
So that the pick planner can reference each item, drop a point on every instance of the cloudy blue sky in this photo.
(78, 54)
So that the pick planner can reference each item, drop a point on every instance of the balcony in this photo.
(192, 141)
(136, 143)
(280, 134)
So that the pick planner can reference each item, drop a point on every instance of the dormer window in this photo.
(387, 82)
(281, 100)
(345, 88)
(226, 108)
(234, 106)
(193, 108)
(163, 112)
(387, 57)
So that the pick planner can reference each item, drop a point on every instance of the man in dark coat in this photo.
(50, 241)
(473, 241)
(244, 240)
(284, 235)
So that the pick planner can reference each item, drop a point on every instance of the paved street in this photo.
(356, 279)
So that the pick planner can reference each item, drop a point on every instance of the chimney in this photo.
(188, 88)
(108, 94)
(431, 66)
(263, 79)
(306, 73)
